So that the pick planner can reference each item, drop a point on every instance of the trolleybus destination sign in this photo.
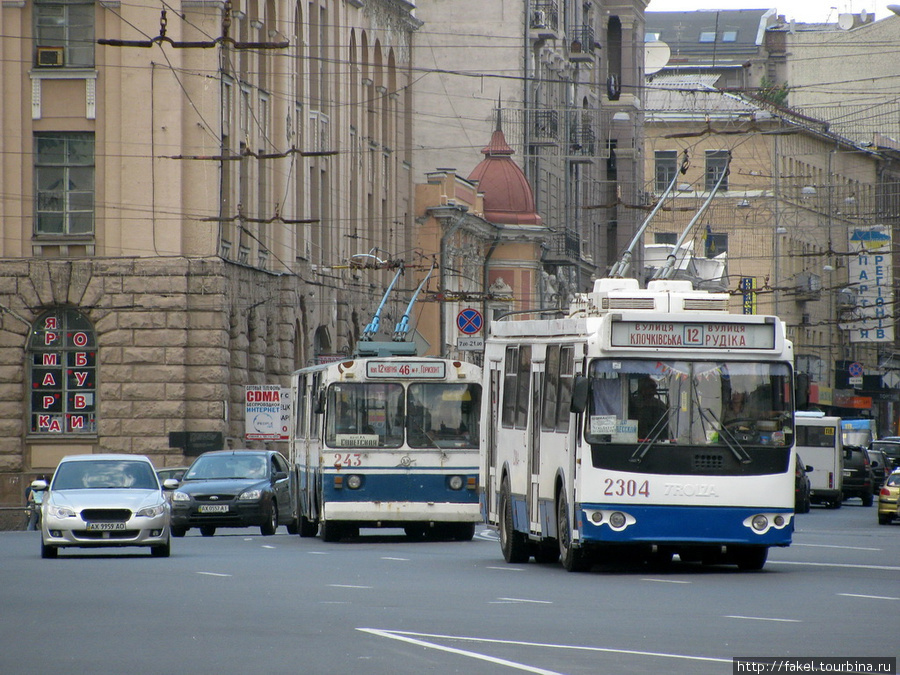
(411, 369)
(693, 335)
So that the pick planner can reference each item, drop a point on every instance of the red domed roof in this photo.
(508, 198)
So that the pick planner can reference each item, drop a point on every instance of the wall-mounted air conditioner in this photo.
(50, 57)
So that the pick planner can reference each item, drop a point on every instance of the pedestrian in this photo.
(34, 499)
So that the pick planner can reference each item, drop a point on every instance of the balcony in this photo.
(582, 138)
(581, 44)
(544, 127)
(544, 20)
(808, 286)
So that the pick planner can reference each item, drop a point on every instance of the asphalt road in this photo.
(381, 605)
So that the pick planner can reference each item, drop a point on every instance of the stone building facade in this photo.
(183, 195)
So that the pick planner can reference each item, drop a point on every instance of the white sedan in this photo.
(104, 500)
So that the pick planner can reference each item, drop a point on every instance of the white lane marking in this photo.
(868, 597)
(507, 569)
(404, 636)
(763, 618)
(213, 574)
(668, 581)
(889, 568)
(268, 546)
(849, 548)
(348, 586)
(537, 602)
(319, 553)
(390, 558)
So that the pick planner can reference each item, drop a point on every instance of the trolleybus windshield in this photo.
(379, 415)
(653, 403)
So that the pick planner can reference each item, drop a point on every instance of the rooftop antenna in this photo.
(621, 268)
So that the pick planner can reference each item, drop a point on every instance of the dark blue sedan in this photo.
(235, 488)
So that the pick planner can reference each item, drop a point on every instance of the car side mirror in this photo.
(39, 485)
(171, 484)
(808, 469)
(279, 475)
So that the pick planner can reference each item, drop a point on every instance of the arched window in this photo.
(62, 358)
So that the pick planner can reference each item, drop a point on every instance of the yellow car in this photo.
(887, 499)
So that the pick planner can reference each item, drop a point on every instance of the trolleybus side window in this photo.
(300, 411)
(516, 387)
(558, 381)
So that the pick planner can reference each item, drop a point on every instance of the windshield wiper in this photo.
(647, 443)
(725, 434)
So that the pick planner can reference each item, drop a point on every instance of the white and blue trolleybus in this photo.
(645, 424)
(387, 442)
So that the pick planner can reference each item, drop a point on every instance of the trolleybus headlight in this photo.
(759, 523)
(779, 521)
(597, 517)
(456, 482)
(354, 481)
(617, 520)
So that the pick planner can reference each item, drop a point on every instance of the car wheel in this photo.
(293, 527)
(513, 544)
(867, 499)
(308, 528)
(178, 531)
(573, 559)
(268, 528)
(161, 550)
(48, 551)
(884, 520)
(207, 530)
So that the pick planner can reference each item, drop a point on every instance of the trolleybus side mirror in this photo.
(801, 391)
(320, 403)
(580, 390)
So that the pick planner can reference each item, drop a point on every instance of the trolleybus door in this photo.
(534, 452)
(489, 453)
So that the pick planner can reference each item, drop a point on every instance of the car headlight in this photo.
(251, 495)
(180, 497)
(60, 512)
(152, 511)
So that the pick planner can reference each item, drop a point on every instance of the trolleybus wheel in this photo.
(332, 531)
(462, 531)
(573, 559)
(308, 528)
(752, 558)
(513, 544)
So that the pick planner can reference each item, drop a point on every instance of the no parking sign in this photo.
(469, 321)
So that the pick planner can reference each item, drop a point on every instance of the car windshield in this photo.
(893, 480)
(105, 474)
(227, 466)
